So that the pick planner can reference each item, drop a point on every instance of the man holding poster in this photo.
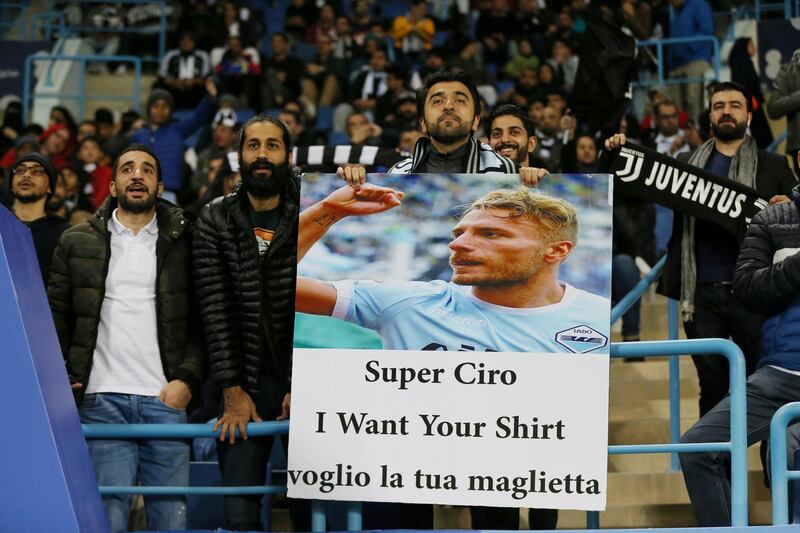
(505, 294)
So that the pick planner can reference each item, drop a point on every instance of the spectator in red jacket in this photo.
(91, 155)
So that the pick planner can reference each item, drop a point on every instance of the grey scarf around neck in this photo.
(743, 170)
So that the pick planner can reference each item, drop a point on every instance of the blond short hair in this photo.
(558, 218)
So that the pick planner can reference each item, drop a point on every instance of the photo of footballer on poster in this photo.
(438, 262)
(435, 314)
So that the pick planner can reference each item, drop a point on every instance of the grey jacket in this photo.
(785, 101)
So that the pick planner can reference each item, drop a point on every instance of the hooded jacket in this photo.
(77, 289)
(247, 303)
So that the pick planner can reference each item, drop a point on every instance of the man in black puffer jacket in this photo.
(245, 264)
(767, 279)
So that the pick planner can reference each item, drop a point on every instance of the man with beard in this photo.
(512, 134)
(702, 255)
(245, 260)
(120, 293)
(505, 254)
(33, 181)
(448, 110)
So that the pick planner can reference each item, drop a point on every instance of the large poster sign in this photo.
(646, 174)
(497, 429)
(478, 291)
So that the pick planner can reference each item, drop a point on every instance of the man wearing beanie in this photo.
(32, 181)
(166, 137)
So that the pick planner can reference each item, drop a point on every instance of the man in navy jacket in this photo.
(166, 136)
(767, 279)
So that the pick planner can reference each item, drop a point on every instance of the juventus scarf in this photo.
(333, 156)
(646, 174)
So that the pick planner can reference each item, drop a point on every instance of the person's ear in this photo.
(475, 122)
(422, 126)
(558, 251)
(532, 142)
(112, 189)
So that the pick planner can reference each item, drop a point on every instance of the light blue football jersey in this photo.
(437, 315)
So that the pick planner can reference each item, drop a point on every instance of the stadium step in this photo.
(109, 84)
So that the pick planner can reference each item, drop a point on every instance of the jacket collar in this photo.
(170, 218)
(423, 148)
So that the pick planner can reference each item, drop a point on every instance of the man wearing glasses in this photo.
(33, 180)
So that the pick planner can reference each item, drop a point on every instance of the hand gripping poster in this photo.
(452, 341)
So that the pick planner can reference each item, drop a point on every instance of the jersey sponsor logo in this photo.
(439, 312)
(581, 339)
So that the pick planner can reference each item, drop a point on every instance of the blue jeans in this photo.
(707, 474)
(624, 277)
(150, 462)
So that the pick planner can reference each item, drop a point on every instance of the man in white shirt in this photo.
(120, 297)
(670, 139)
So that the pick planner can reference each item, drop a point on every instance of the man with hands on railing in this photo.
(122, 303)
(767, 279)
(702, 255)
(245, 260)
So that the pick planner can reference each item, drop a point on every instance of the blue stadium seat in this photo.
(324, 119)
(491, 68)
(304, 51)
(272, 112)
(338, 137)
(503, 86)
(394, 8)
(243, 115)
(441, 37)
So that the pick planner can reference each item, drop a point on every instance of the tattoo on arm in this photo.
(326, 220)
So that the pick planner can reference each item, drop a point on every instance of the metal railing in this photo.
(80, 96)
(779, 475)
(737, 446)
(674, 363)
(660, 62)
(786, 6)
(778, 140)
(12, 15)
(187, 431)
(47, 27)
(162, 29)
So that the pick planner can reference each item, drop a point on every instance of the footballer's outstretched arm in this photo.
(314, 296)
(344, 202)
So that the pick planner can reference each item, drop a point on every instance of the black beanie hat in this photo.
(47, 165)
(160, 94)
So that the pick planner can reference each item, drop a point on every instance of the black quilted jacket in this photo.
(247, 306)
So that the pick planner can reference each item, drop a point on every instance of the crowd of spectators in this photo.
(346, 73)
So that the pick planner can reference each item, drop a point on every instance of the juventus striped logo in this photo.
(633, 164)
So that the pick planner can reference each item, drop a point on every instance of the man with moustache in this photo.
(33, 182)
(448, 111)
(513, 135)
(120, 293)
(702, 255)
(245, 261)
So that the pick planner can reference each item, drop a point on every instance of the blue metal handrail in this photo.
(660, 43)
(779, 474)
(81, 97)
(47, 26)
(162, 30)
(778, 140)
(636, 292)
(187, 431)
(737, 446)
(8, 21)
(674, 364)
(786, 5)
